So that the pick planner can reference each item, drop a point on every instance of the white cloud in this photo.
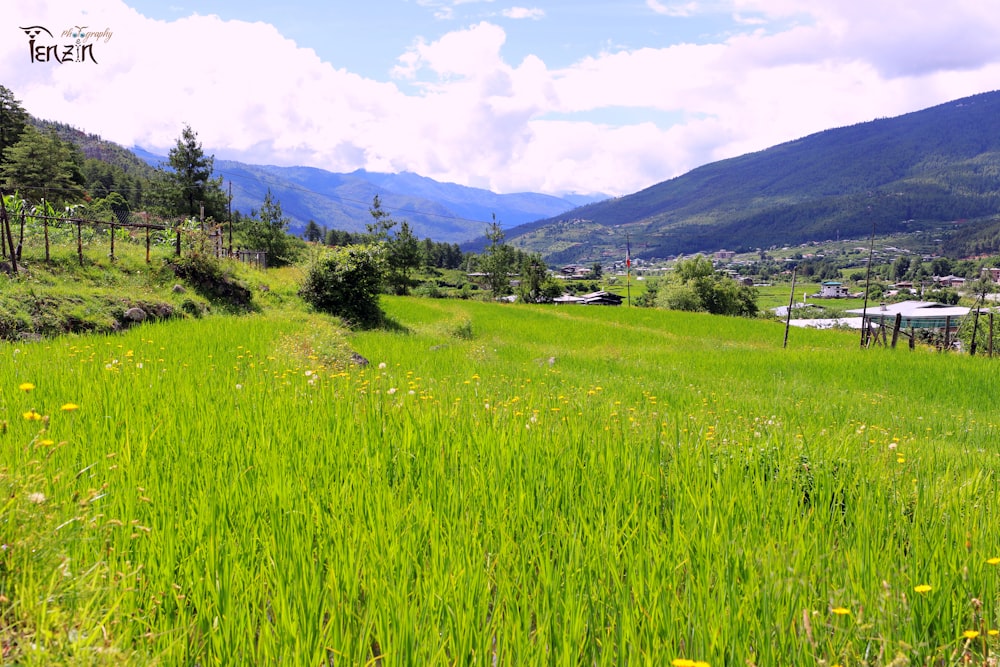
(462, 53)
(444, 10)
(686, 9)
(524, 13)
(459, 111)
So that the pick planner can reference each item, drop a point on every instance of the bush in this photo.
(346, 282)
(212, 280)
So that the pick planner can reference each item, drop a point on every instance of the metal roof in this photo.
(916, 314)
(913, 309)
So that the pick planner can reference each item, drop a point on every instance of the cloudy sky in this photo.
(550, 96)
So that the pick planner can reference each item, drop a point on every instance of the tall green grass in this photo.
(502, 484)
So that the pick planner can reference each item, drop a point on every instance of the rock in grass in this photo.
(135, 315)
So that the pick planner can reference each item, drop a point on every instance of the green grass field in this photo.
(503, 484)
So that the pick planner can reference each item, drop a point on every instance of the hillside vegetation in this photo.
(930, 170)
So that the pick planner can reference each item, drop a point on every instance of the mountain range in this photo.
(445, 212)
(936, 170)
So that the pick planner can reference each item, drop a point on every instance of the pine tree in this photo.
(191, 179)
(43, 166)
(498, 260)
(381, 224)
(13, 120)
(265, 230)
(312, 232)
(403, 257)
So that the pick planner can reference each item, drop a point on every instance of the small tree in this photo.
(403, 257)
(497, 262)
(537, 285)
(382, 223)
(346, 283)
(312, 232)
(696, 286)
(265, 230)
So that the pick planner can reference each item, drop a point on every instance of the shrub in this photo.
(209, 278)
(346, 282)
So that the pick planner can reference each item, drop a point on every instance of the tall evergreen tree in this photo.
(43, 166)
(13, 120)
(191, 179)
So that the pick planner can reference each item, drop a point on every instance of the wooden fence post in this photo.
(5, 224)
(3, 234)
(20, 240)
(112, 228)
(79, 240)
(45, 227)
(947, 333)
(147, 244)
(895, 329)
(177, 250)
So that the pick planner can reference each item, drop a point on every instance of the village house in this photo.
(567, 299)
(574, 272)
(949, 281)
(832, 289)
(601, 298)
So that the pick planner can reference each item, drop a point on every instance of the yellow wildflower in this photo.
(993, 561)
(25, 386)
(31, 415)
(970, 634)
(840, 611)
(922, 588)
(69, 407)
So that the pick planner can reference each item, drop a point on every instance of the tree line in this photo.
(433, 254)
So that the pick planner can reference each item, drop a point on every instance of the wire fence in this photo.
(24, 232)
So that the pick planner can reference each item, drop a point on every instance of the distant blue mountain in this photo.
(445, 212)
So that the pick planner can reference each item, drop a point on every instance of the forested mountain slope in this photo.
(923, 170)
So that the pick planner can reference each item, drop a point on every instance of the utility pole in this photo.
(868, 282)
(791, 302)
(628, 269)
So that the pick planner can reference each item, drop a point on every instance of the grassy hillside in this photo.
(502, 484)
(924, 170)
